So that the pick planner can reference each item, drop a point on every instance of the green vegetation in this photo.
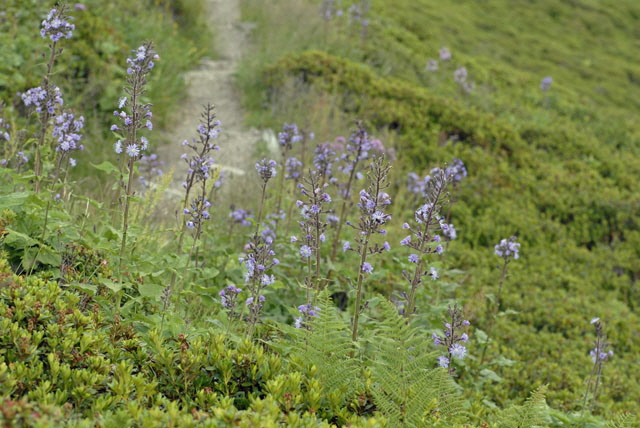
(111, 319)
(557, 168)
(91, 72)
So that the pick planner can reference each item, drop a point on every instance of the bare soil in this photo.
(213, 82)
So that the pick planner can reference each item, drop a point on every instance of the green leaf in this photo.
(107, 167)
(13, 200)
(19, 240)
(151, 290)
(113, 286)
(91, 288)
(490, 374)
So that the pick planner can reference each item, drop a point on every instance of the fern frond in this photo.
(407, 387)
(531, 414)
(328, 347)
(623, 420)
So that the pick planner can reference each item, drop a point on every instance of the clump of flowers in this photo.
(457, 171)
(258, 261)
(312, 226)
(424, 237)
(229, 299)
(600, 354)
(43, 99)
(445, 54)
(57, 25)
(307, 312)
(66, 131)
(293, 169)
(461, 75)
(432, 65)
(453, 339)
(241, 217)
(373, 201)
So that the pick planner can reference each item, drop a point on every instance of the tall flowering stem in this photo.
(200, 165)
(424, 237)
(259, 259)
(600, 354)
(356, 151)
(453, 338)
(312, 226)
(508, 250)
(287, 138)
(134, 116)
(55, 27)
(266, 169)
(373, 201)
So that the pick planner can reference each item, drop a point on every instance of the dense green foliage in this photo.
(91, 70)
(557, 168)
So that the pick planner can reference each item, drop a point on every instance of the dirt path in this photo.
(213, 82)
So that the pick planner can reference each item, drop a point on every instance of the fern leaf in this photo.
(407, 387)
(328, 347)
(623, 420)
(531, 414)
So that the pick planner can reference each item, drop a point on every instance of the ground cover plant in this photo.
(414, 267)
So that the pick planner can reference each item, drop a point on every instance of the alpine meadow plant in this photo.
(200, 169)
(267, 169)
(453, 339)
(46, 97)
(357, 151)
(600, 354)
(287, 138)
(373, 201)
(425, 238)
(312, 227)
(134, 116)
(508, 250)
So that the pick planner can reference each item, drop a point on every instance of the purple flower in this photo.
(346, 246)
(306, 251)
(289, 136)
(457, 350)
(43, 98)
(456, 171)
(432, 65)
(56, 25)
(443, 361)
(460, 75)
(367, 268)
(445, 54)
(266, 169)
(133, 150)
(433, 273)
(545, 83)
(293, 169)
(406, 241)
(66, 130)
(413, 258)
(508, 249)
